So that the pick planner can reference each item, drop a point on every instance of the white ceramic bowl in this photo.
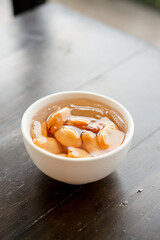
(81, 170)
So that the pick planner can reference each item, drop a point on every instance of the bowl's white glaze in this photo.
(81, 170)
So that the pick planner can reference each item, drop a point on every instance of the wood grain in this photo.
(96, 210)
(53, 49)
(134, 83)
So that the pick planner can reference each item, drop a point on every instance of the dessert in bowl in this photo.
(77, 137)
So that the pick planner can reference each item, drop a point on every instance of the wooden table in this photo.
(53, 49)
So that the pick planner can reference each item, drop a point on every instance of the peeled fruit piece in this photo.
(44, 128)
(36, 129)
(94, 127)
(117, 120)
(77, 153)
(49, 144)
(68, 137)
(104, 121)
(39, 129)
(57, 119)
(97, 125)
(90, 142)
(110, 137)
(78, 121)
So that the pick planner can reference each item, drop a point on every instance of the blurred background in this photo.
(140, 18)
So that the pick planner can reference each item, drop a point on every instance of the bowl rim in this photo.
(78, 160)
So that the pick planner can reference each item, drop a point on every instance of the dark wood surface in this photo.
(53, 49)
